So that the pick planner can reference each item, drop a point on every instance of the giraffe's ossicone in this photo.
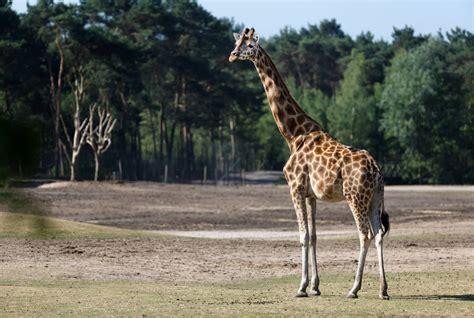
(320, 168)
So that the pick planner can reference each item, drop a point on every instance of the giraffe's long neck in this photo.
(291, 120)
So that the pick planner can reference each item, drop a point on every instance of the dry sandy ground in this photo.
(432, 231)
(153, 206)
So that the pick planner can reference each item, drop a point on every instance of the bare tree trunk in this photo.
(122, 144)
(232, 141)
(190, 154)
(213, 153)
(184, 152)
(42, 146)
(132, 156)
(73, 170)
(96, 172)
(80, 129)
(123, 153)
(187, 151)
(222, 163)
(153, 135)
(169, 137)
(55, 91)
(72, 167)
(139, 149)
(59, 159)
(162, 134)
(75, 145)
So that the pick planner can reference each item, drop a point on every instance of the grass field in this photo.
(56, 267)
(412, 294)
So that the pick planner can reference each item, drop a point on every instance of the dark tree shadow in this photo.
(14, 200)
(462, 297)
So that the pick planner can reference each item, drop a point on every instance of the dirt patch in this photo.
(254, 235)
(181, 259)
(154, 206)
(432, 231)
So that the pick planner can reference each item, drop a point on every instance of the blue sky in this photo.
(355, 16)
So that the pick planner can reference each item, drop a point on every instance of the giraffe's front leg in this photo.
(300, 207)
(304, 240)
(314, 289)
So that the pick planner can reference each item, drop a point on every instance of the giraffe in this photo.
(320, 168)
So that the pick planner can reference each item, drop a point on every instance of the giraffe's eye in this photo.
(250, 46)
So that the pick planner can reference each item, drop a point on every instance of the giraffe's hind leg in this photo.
(364, 247)
(383, 281)
(376, 225)
(360, 212)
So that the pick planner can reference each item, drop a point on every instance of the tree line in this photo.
(140, 89)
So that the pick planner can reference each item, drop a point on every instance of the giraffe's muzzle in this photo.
(233, 56)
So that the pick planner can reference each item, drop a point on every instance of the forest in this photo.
(143, 90)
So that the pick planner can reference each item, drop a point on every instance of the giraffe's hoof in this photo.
(384, 297)
(352, 295)
(315, 292)
(301, 293)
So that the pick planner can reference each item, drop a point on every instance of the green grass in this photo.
(425, 294)
(28, 226)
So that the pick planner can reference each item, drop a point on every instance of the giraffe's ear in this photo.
(256, 37)
(237, 36)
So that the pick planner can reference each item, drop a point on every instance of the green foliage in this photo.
(161, 68)
(421, 102)
(406, 39)
(416, 120)
(313, 101)
(19, 98)
(352, 118)
(273, 151)
(312, 56)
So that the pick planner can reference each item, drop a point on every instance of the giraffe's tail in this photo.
(385, 218)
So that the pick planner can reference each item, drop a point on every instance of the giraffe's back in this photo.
(329, 170)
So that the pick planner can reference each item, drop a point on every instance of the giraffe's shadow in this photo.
(461, 297)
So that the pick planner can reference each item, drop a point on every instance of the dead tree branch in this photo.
(80, 128)
(99, 137)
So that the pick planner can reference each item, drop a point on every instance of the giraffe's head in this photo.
(246, 45)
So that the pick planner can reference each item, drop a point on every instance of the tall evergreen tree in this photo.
(421, 102)
(352, 118)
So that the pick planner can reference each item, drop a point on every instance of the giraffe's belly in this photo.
(327, 191)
